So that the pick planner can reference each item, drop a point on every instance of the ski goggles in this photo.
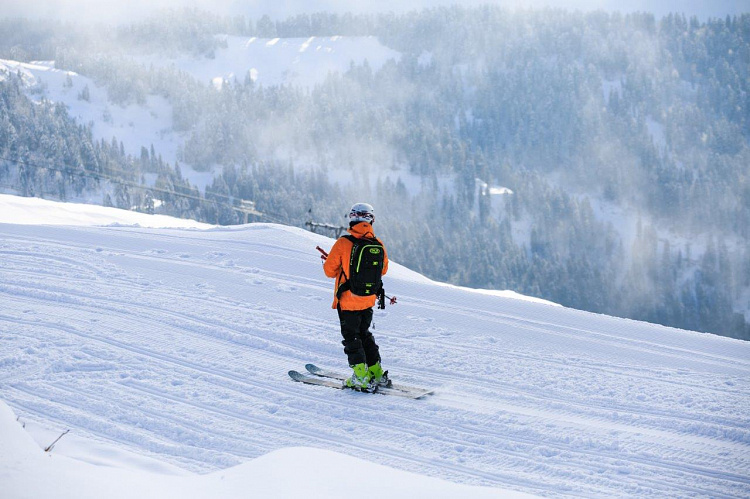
(361, 215)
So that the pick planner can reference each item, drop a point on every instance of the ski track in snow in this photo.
(176, 343)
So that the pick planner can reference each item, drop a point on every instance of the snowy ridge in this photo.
(36, 211)
(175, 344)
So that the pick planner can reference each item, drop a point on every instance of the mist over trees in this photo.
(576, 113)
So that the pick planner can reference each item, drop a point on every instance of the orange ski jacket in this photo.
(337, 266)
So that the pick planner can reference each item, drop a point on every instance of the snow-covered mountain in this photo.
(134, 125)
(300, 62)
(168, 350)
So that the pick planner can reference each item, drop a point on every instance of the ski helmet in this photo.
(362, 212)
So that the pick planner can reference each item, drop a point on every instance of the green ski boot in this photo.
(360, 378)
(378, 377)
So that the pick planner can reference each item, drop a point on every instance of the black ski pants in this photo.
(358, 342)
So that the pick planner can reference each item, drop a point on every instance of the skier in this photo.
(357, 262)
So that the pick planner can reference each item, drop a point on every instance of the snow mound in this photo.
(27, 472)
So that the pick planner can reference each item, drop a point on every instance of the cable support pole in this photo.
(205, 199)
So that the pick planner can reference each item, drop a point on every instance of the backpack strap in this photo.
(346, 285)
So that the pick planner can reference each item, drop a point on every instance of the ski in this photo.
(335, 383)
(310, 380)
(391, 389)
(329, 382)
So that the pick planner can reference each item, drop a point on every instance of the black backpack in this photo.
(365, 267)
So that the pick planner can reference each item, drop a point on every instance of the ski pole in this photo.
(381, 299)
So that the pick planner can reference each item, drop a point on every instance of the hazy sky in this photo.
(128, 10)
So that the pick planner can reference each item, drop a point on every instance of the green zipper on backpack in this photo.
(359, 261)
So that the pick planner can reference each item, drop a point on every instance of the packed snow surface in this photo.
(173, 345)
(27, 472)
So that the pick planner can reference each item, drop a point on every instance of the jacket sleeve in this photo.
(333, 264)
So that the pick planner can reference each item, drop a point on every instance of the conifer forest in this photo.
(597, 160)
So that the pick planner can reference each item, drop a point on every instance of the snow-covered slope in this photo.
(289, 61)
(35, 211)
(281, 61)
(174, 344)
(134, 125)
